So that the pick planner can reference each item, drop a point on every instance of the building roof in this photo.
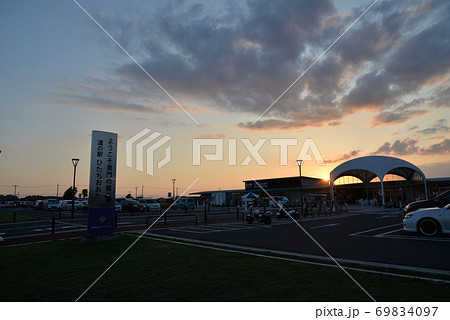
(367, 168)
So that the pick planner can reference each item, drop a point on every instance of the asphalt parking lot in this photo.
(375, 237)
(364, 235)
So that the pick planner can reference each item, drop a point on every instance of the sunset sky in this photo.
(383, 88)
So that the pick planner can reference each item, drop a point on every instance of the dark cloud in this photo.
(400, 114)
(390, 117)
(346, 156)
(410, 146)
(442, 147)
(242, 56)
(437, 126)
(372, 91)
(415, 61)
(422, 57)
(399, 147)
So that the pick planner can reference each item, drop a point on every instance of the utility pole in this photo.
(173, 188)
(136, 191)
(15, 187)
(57, 190)
(142, 192)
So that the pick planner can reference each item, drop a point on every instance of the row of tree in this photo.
(68, 195)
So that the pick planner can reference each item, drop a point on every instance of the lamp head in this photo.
(75, 161)
(299, 162)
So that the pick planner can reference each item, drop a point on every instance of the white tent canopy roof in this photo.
(367, 168)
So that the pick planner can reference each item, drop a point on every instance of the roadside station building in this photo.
(379, 180)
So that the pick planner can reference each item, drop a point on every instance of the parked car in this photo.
(65, 204)
(150, 204)
(130, 205)
(428, 221)
(50, 204)
(11, 204)
(78, 204)
(27, 204)
(84, 205)
(165, 202)
(38, 205)
(118, 207)
(440, 201)
(184, 203)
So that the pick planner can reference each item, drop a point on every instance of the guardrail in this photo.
(206, 214)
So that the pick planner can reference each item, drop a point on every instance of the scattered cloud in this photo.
(437, 126)
(240, 57)
(400, 114)
(346, 156)
(442, 147)
(410, 146)
(212, 136)
(399, 147)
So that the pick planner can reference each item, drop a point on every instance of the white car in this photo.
(150, 204)
(117, 207)
(279, 200)
(65, 204)
(429, 221)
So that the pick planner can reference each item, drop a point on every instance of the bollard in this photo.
(59, 214)
(53, 225)
(14, 216)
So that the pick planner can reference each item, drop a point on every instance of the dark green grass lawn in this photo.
(159, 271)
(8, 217)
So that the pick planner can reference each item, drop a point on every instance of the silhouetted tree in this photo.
(84, 192)
(128, 196)
(69, 194)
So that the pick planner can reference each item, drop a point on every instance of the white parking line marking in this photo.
(388, 216)
(326, 225)
(375, 229)
(388, 232)
(418, 238)
(72, 224)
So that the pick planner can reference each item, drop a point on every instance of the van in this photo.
(184, 203)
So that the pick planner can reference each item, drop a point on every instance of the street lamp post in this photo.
(299, 164)
(173, 188)
(74, 162)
